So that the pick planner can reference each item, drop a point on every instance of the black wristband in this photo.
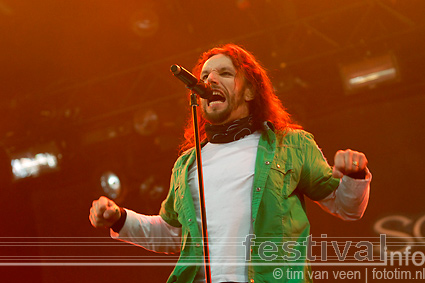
(358, 175)
(120, 223)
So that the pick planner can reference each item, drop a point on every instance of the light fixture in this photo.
(35, 160)
(146, 122)
(111, 185)
(369, 73)
(145, 22)
(152, 189)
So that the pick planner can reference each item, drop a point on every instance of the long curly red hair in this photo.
(265, 106)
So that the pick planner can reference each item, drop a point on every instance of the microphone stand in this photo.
(196, 86)
(194, 105)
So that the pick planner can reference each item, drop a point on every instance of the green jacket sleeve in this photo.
(167, 211)
(316, 179)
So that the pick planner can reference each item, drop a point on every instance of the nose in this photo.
(212, 77)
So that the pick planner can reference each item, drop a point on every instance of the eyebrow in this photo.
(224, 68)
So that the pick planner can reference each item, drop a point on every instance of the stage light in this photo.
(145, 22)
(369, 73)
(35, 160)
(152, 189)
(111, 185)
(146, 122)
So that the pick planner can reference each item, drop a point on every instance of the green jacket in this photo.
(288, 166)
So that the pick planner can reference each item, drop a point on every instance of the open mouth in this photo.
(217, 97)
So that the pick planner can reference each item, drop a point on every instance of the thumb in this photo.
(336, 173)
(112, 213)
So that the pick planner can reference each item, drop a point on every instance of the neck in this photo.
(231, 131)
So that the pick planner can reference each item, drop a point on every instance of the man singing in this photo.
(258, 166)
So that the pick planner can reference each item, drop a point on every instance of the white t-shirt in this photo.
(228, 171)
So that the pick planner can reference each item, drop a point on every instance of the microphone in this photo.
(191, 82)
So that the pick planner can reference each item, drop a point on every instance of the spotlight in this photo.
(145, 122)
(152, 189)
(369, 72)
(35, 160)
(111, 185)
(145, 23)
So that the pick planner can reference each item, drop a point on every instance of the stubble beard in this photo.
(216, 117)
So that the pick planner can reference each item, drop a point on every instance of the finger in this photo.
(362, 161)
(95, 221)
(96, 217)
(91, 219)
(110, 203)
(359, 162)
(339, 162)
(103, 201)
(354, 163)
(111, 213)
(350, 165)
(112, 210)
(101, 205)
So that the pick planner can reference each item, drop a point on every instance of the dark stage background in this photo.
(91, 80)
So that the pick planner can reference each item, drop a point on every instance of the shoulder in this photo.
(183, 158)
(294, 137)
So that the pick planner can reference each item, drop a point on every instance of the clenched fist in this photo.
(104, 213)
(348, 162)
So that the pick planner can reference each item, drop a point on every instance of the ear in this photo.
(248, 94)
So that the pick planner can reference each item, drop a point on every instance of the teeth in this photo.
(217, 93)
(217, 97)
(215, 102)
